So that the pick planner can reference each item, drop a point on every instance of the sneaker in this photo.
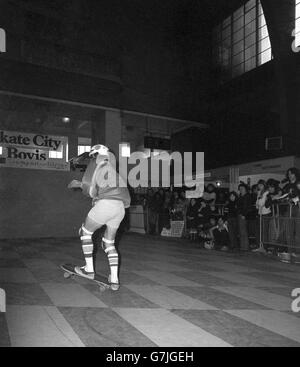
(113, 286)
(83, 273)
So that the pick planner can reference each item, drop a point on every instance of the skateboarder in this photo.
(110, 199)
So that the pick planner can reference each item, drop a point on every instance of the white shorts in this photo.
(109, 212)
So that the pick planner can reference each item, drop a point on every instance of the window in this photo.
(55, 155)
(241, 42)
(297, 25)
(83, 149)
(1, 150)
(84, 145)
(125, 150)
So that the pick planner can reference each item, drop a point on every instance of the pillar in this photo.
(108, 130)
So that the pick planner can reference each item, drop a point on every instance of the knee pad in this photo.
(85, 234)
(108, 245)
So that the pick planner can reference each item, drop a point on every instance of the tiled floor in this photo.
(173, 294)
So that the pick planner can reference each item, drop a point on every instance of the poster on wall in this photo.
(33, 151)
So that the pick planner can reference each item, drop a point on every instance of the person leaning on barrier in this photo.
(292, 177)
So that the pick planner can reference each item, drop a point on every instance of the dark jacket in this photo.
(231, 209)
(244, 205)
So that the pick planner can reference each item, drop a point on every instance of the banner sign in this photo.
(33, 151)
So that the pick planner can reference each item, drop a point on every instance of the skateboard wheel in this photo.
(102, 289)
(67, 275)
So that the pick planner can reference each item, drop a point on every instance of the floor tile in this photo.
(11, 263)
(275, 321)
(168, 330)
(71, 295)
(234, 330)
(169, 298)
(245, 280)
(16, 275)
(104, 328)
(123, 298)
(25, 294)
(204, 279)
(167, 279)
(269, 300)
(218, 299)
(37, 326)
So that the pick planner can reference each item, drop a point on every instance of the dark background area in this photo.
(155, 57)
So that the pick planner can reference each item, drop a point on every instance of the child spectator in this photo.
(220, 235)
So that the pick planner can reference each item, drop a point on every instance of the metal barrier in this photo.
(282, 228)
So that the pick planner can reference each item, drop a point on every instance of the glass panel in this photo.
(264, 44)
(261, 21)
(265, 57)
(263, 32)
(238, 59)
(250, 28)
(260, 9)
(226, 57)
(250, 40)
(298, 25)
(238, 24)
(250, 52)
(238, 36)
(250, 4)
(250, 16)
(226, 32)
(298, 11)
(239, 13)
(238, 70)
(227, 42)
(238, 47)
(250, 64)
(227, 22)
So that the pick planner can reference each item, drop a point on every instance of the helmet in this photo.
(99, 149)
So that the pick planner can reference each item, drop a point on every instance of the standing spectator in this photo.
(264, 214)
(179, 206)
(192, 215)
(262, 198)
(292, 176)
(154, 208)
(244, 208)
(231, 212)
(204, 213)
(164, 218)
(210, 195)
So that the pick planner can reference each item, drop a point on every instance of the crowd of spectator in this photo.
(221, 219)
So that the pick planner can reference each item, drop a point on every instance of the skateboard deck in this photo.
(69, 272)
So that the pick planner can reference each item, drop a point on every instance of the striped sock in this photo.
(113, 259)
(88, 249)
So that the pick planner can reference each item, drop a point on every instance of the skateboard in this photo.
(100, 280)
